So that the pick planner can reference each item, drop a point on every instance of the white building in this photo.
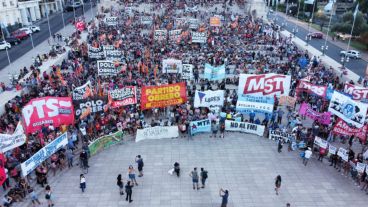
(50, 6)
(29, 11)
(9, 13)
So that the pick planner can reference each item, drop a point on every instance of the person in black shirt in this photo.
(225, 196)
(129, 191)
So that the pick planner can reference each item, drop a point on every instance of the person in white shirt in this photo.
(82, 182)
(307, 155)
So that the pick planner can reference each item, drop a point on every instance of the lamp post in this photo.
(297, 13)
(344, 60)
(6, 49)
(324, 48)
(328, 30)
(309, 37)
(295, 30)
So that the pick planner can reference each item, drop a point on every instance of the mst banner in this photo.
(104, 142)
(264, 85)
(164, 95)
(172, 66)
(95, 53)
(244, 127)
(106, 68)
(200, 126)
(91, 105)
(157, 132)
(123, 96)
(358, 93)
(11, 141)
(257, 104)
(350, 111)
(199, 37)
(209, 98)
(276, 135)
(83, 91)
(312, 89)
(214, 73)
(29, 165)
(46, 111)
(323, 118)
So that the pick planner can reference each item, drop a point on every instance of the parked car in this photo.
(351, 53)
(12, 40)
(4, 45)
(20, 34)
(71, 7)
(317, 35)
(34, 28)
(26, 30)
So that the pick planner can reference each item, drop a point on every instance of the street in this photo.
(357, 66)
(56, 23)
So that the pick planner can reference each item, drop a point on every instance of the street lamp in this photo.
(344, 60)
(324, 48)
(308, 38)
(295, 30)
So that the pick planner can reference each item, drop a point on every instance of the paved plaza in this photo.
(244, 164)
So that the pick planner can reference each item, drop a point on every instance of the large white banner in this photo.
(29, 165)
(264, 85)
(11, 141)
(158, 132)
(256, 104)
(350, 111)
(209, 98)
(172, 66)
(244, 127)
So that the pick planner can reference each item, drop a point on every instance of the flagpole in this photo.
(352, 28)
(48, 20)
(6, 49)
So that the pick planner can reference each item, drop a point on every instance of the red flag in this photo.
(2, 170)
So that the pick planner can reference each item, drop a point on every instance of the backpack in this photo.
(204, 175)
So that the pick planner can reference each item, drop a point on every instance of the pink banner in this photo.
(314, 89)
(323, 118)
(46, 111)
(2, 170)
(342, 128)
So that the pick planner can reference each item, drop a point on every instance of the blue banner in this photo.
(200, 126)
(214, 73)
(256, 104)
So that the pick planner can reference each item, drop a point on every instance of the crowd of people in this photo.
(244, 43)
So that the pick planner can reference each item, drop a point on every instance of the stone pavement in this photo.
(244, 164)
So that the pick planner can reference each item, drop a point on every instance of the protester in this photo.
(277, 184)
(129, 191)
(48, 196)
(204, 176)
(177, 168)
(307, 156)
(225, 197)
(120, 184)
(195, 177)
(82, 182)
(131, 175)
(139, 161)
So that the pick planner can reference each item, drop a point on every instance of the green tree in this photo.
(363, 6)
(360, 25)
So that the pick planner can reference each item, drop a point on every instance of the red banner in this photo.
(2, 170)
(312, 89)
(80, 25)
(46, 111)
(342, 128)
(358, 93)
(162, 96)
(123, 96)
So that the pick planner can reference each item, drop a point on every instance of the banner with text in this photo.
(157, 132)
(11, 141)
(320, 142)
(199, 37)
(95, 53)
(244, 127)
(358, 93)
(200, 126)
(164, 95)
(106, 68)
(29, 165)
(323, 118)
(82, 92)
(172, 66)
(257, 104)
(46, 111)
(264, 85)
(312, 89)
(160, 35)
(350, 111)
(174, 35)
(209, 98)
(123, 96)
(104, 142)
(287, 101)
(342, 128)
(91, 105)
(277, 135)
(187, 72)
(111, 21)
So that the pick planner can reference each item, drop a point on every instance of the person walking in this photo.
(177, 168)
(129, 191)
(214, 128)
(194, 175)
(120, 183)
(34, 197)
(69, 157)
(131, 174)
(204, 176)
(279, 145)
(225, 197)
(140, 163)
(277, 184)
(48, 196)
(82, 182)
(307, 156)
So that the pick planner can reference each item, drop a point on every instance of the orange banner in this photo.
(162, 96)
(215, 21)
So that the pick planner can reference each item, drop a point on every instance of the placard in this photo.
(277, 135)
(187, 72)
(106, 68)
(82, 92)
(320, 142)
(95, 53)
(172, 66)
(123, 96)
(244, 127)
(199, 37)
(157, 132)
(193, 23)
(343, 153)
(215, 21)
(160, 35)
(360, 167)
(174, 35)
(332, 149)
(146, 20)
(111, 21)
